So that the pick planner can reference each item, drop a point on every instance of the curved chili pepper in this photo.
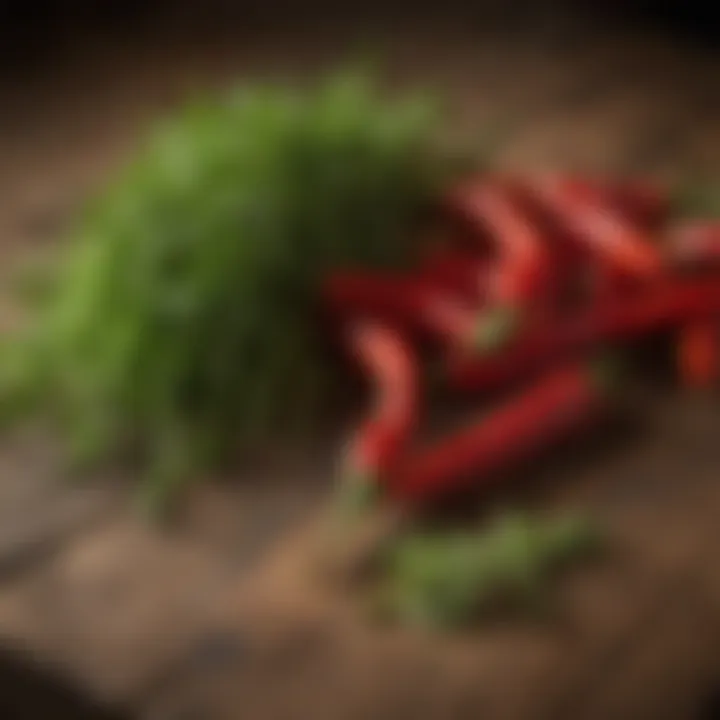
(674, 302)
(408, 303)
(522, 264)
(555, 405)
(390, 363)
(614, 242)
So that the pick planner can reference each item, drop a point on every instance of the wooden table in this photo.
(218, 617)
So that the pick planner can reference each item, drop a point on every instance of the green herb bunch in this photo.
(450, 580)
(182, 322)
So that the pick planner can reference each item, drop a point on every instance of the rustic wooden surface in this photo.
(221, 616)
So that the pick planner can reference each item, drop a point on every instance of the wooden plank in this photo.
(661, 533)
(668, 672)
(39, 507)
(114, 606)
(306, 647)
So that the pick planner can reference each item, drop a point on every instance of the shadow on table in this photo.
(32, 691)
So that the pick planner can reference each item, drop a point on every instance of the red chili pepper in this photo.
(457, 272)
(695, 243)
(521, 256)
(615, 243)
(405, 302)
(570, 277)
(519, 280)
(389, 361)
(673, 302)
(640, 203)
(557, 404)
(644, 203)
(698, 353)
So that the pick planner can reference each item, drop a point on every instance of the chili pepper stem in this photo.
(358, 492)
(350, 550)
(495, 329)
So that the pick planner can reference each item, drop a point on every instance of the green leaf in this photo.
(447, 580)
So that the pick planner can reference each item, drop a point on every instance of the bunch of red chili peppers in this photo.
(533, 278)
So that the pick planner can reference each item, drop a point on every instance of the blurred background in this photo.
(209, 620)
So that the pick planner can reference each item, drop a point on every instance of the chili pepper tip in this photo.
(495, 329)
